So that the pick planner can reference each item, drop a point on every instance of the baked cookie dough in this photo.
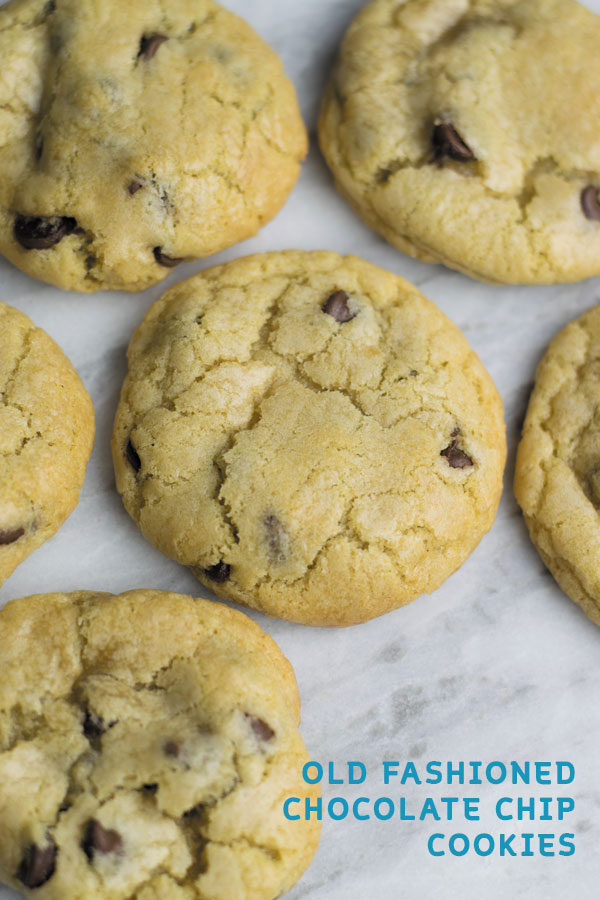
(310, 435)
(147, 744)
(557, 479)
(46, 435)
(134, 135)
(465, 132)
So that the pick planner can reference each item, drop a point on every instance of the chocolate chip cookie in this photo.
(147, 744)
(136, 135)
(464, 132)
(46, 435)
(310, 435)
(557, 479)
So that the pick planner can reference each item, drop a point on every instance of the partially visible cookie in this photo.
(557, 478)
(136, 135)
(310, 435)
(147, 744)
(464, 132)
(46, 435)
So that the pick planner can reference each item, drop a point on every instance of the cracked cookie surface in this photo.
(464, 132)
(46, 435)
(147, 744)
(136, 135)
(557, 477)
(310, 435)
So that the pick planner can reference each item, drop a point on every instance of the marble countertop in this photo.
(496, 665)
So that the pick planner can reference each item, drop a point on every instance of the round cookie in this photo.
(136, 135)
(46, 436)
(147, 744)
(557, 478)
(464, 132)
(309, 434)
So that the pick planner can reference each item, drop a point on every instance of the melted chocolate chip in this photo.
(447, 142)
(97, 839)
(169, 261)
(456, 457)
(172, 749)
(337, 307)
(132, 457)
(150, 44)
(261, 729)
(277, 539)
(38, 233)
(219, 573)
(9, 537)
(38, 864)
(134, 187)
(590, 203)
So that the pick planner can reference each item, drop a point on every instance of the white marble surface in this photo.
(497, 664)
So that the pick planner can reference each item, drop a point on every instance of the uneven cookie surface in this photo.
(557, 478)
(46, 435)
(147, 743)
(309, 434)
(134, 135)
(464, 132)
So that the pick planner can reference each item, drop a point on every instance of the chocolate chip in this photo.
(172, 749)
(447, 142)
(169, 261)
(219, 572)
(38, 864)
(132, 457)
(277, 539)
(456, 457)
(590, 203)
(9, 537)
(261, 729)
(97, 839)
(150, 788)
(134, 187)
(150, 44)
(337, 307)
(93, 725)
(38, 233)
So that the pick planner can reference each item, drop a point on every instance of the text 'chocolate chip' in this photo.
(337, 307)
(97, 839)
(447, 142)
(37, 866)
(38, 233)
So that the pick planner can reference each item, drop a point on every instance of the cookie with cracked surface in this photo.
(136, 135)
(557, 477)
(309, 434)
(433, 138)
(147, 743)
(46, 435)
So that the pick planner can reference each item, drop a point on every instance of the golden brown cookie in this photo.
(136, 135)
(557, 478)
(46, 435)
(147, 744)
(310, 435)
(464, 132)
